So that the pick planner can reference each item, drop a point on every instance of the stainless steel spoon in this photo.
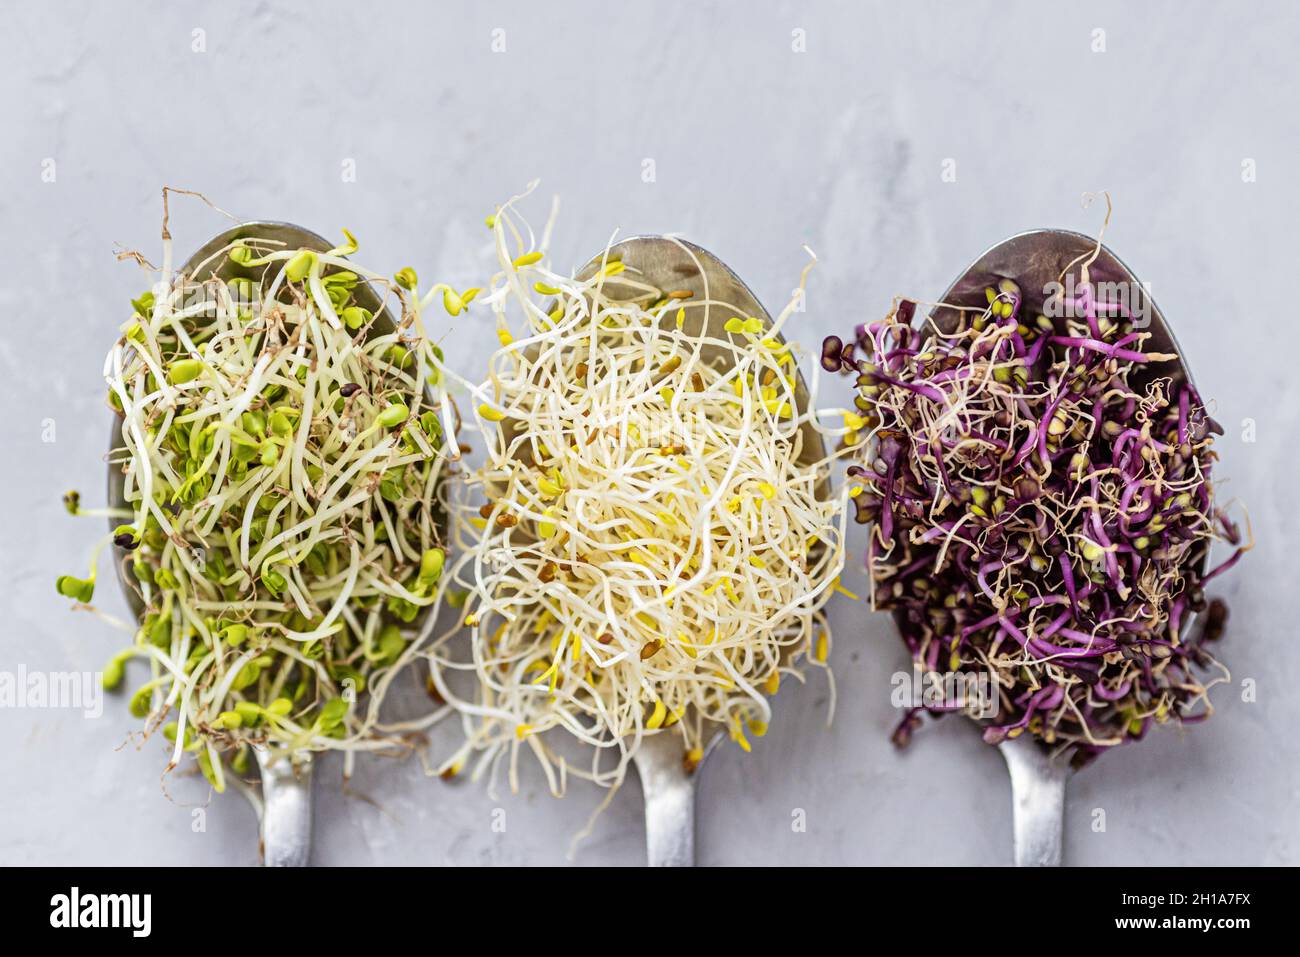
(1037, 260)
(286, 784)
(675, 265)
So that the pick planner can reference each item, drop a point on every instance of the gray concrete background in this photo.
(757, 150)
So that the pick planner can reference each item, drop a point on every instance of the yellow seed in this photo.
(523, 730)
(491, 414)
(504, 336)
(613, 269)
(545, 528)
(657, 717)
(681, 317)
(753, 326)
(855, 491)
(691, 760)
(471, 620)
(773, 683)
(667, 395)
(548, 488)
(822, 647)
(490, 222)
(768, 490)
(527, 259)
(547, 675)
(546, 290)
(734, 324)
(757, 562)
(758, 728)
(842, 590)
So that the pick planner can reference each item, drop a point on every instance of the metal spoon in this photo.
(1036, 261)
(286, 783)
(675, 265)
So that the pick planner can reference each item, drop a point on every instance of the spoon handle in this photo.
(286, 810)
(1037, 802)
(669, 802)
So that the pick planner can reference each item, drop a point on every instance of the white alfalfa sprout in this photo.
(643, 550)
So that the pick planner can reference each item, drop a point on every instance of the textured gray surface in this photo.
(757, 150)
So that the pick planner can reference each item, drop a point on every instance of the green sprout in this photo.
(282, 445)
